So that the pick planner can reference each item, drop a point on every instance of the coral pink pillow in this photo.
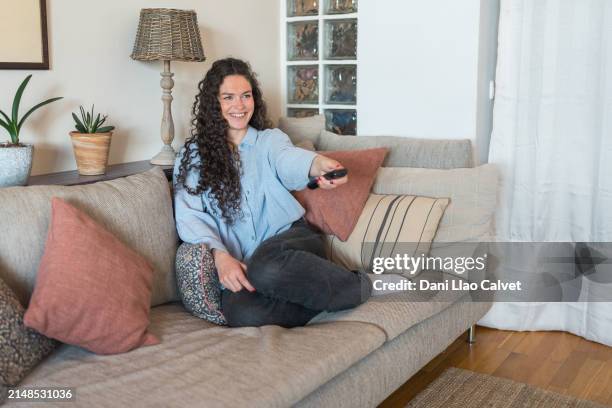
(337, 211)
(91, 290)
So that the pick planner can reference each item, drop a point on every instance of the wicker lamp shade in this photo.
(168, 35)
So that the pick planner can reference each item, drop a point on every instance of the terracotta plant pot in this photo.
(15, 164)
(91, 152)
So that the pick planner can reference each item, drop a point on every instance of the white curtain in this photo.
(552, 139)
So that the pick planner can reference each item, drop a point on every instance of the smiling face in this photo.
(237, 103)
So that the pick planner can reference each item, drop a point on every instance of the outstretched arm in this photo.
(321, 165)
(294, 165)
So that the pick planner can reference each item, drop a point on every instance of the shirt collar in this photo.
(250, 137)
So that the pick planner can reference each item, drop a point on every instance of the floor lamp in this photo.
(167, 35)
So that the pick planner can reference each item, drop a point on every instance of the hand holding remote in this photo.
(331, 175)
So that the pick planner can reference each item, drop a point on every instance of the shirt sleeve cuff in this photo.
(214, 244)
(300, 172)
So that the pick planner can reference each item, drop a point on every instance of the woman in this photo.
(232, 183)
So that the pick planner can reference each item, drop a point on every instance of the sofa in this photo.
(352, 358)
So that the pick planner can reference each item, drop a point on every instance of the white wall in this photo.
(90, 44)
(419, 66)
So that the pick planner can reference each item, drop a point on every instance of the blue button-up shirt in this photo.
(271, 166)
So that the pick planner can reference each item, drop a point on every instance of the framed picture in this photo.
(23, 34)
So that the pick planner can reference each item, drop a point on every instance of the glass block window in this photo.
(341, 39)
(341, 84)
(341, 121)
(301, 112)
(321, 64)
(302, 8)
(340, 6)
(303, 84)
(303, 41)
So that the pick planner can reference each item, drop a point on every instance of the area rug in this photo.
(467, 389)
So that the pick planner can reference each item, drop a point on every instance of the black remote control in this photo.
(331, 175)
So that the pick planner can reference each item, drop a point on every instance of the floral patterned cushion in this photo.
(21, 348)
(198, 282)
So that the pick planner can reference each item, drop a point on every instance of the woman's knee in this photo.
(237, 310)
(353, 294)
(265, 271)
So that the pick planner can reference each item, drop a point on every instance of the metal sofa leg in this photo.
(471, 339)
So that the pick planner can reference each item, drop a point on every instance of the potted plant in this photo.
(91, 142)
(16, 157)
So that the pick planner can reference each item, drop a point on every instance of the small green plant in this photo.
(13, 124)
(90, 123)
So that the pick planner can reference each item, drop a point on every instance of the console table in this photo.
(73, 178)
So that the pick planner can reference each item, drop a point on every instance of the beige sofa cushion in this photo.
(200, 364)
(302, 129)
(473, 197)
(405, 151)
(386, 369)
(396, 312)
(468, 219)
(136, 209)
(388, 225)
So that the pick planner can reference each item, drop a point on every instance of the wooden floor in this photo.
(555, 361)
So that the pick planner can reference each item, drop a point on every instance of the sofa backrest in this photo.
(302, 129)
(406, 151)
(136, 209)
(403, 151)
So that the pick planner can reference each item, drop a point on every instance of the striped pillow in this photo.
(389, 226)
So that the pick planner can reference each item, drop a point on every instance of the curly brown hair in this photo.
(219, 167)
